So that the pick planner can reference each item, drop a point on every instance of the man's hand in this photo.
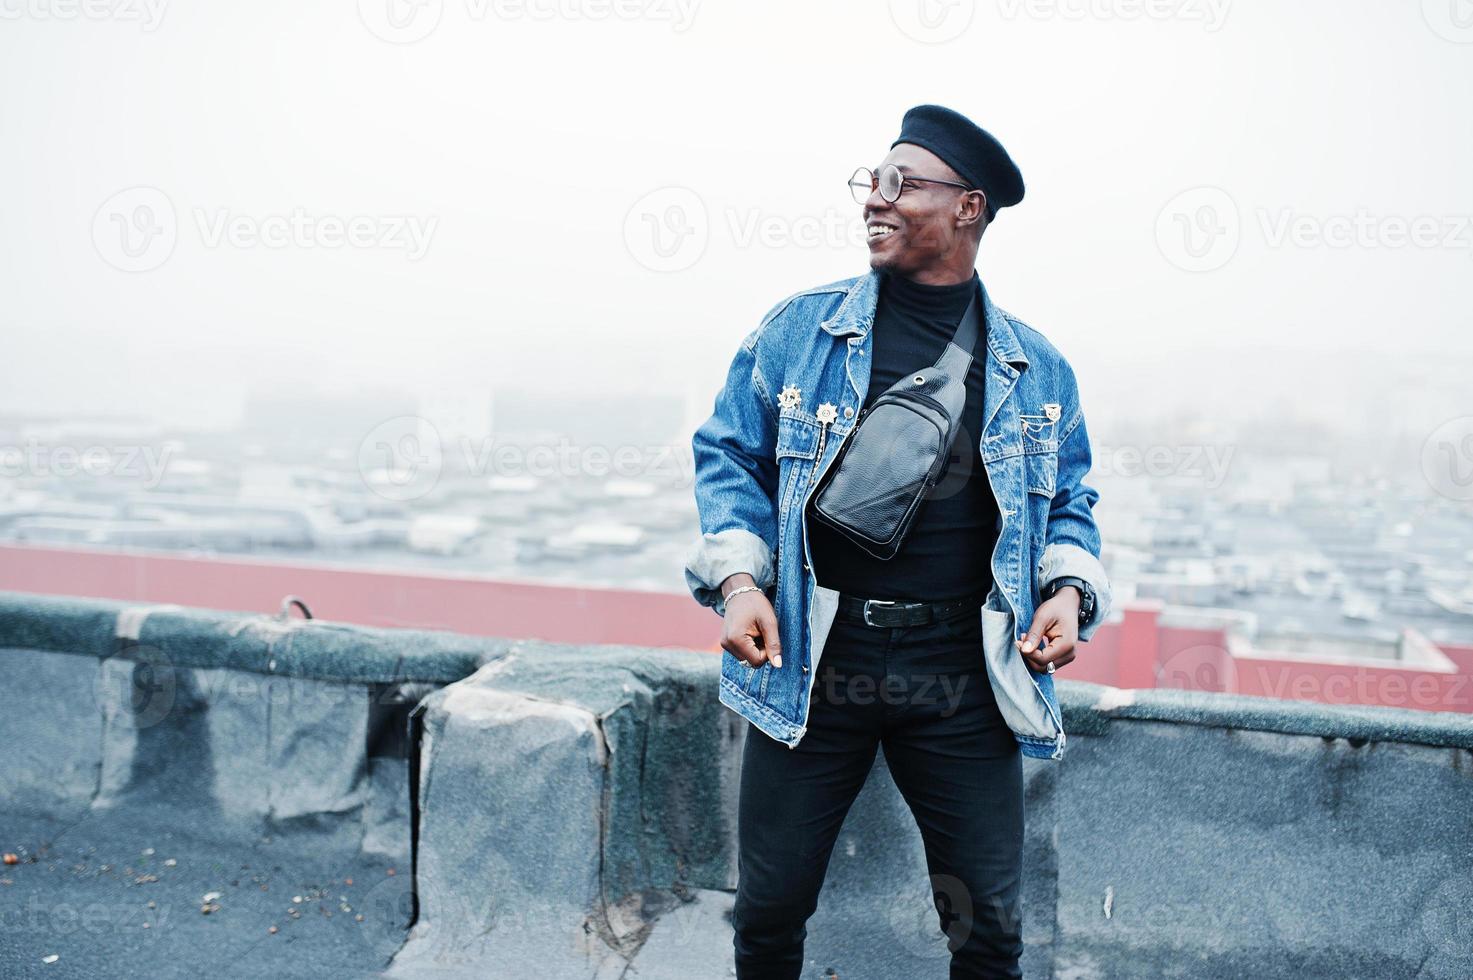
(750, 632)
(1056, 621)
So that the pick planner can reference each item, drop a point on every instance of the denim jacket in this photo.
(759, 455)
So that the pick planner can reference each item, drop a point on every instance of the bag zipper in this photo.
(916, 395)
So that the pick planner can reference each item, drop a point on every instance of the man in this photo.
(920, 653)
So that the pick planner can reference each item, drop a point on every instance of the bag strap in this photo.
(969, 328)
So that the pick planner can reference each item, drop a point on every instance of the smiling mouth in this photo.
(877, 231)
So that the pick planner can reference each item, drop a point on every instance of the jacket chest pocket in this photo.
(1040, 475)
(797, 445)
(1040, 469)
(1040, 453)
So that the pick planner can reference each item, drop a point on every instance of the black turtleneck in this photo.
(948, 551)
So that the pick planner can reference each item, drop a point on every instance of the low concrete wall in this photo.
(1205, 835)
(573, 799)
(578, 809)
(242, 722)
(577, 804)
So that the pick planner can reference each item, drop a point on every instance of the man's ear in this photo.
(979, 216)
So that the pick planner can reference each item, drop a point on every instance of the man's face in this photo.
(922, 223)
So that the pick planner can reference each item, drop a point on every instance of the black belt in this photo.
(904, 612)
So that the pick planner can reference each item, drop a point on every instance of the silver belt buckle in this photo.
(878, 602)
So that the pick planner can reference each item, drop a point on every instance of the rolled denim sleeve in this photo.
(1072, 540)
(735, 483)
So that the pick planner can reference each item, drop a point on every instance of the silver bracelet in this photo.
(745, 588)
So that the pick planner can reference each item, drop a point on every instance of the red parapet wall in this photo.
(368, 596)
(1135, 652)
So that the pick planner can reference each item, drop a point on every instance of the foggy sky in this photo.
(524, 140)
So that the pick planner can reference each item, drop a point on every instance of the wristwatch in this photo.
(1086, 595)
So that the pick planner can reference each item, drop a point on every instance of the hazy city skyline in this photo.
(1225, 195)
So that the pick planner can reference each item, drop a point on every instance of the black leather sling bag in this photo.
(897, 450)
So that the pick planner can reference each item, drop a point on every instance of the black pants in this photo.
(922, 692)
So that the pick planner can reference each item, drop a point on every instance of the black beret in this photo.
(973, 152)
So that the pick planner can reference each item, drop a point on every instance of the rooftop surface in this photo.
(566, 810)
